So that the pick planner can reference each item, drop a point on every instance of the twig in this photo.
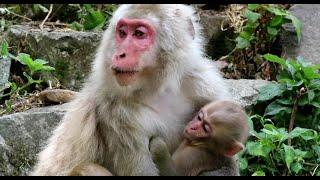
(294, 111)
(45, 19)
(18, 15)
(55, 12)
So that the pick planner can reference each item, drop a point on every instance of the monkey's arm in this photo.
(162, 157)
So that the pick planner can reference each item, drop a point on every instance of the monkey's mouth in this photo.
(125, 77)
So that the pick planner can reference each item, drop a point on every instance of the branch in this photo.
(45, 19)
(294, 111)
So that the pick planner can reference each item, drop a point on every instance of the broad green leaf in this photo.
(252, 16)
(93, 19)
(311, 95)
(296, 167)
(272, 31)
(76, 26)
(25, 59)
(48, 68)
(275, 108)
(41, 61)
(277, 11)
(314, 84)
(306, 134)
(269, 91)
(310, 73)
(245, 35)
(243, 163)
(276, 20)
(274, 58)
(37, 8)
(257, 149)
(253, 6)
(289, 155)
(297, 24)
(316, 67)
(315, 104)
(4, 49)
(259, 173)
(304, 100)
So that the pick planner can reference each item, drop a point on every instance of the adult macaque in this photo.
(149, 75)
(212, 138)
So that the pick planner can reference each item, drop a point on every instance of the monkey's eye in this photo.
(140, 32)
(122, 31)
(200, 116)
(206, 128)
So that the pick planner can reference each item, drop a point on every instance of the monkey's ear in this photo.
(234, 149)
(191, 28)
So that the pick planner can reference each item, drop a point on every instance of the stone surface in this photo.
(70, 52)
(4, 72)
(216, 40)
(23, 134)
(308, 48)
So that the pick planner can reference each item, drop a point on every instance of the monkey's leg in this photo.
(162, 157)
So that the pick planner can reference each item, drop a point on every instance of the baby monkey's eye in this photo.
(206, 128)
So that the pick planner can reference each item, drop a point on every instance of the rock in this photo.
(70, 52)
(244, 91)
(308, 48)
(5, 65)
(215, 39)
(23, 134)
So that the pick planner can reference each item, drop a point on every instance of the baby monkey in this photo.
(211, 140)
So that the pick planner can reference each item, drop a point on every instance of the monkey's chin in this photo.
(126, 79)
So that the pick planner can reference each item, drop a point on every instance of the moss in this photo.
(20, 158)
(62, 69)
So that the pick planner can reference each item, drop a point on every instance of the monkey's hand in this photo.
(162, 157)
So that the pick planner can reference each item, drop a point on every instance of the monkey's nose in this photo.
(123, 55)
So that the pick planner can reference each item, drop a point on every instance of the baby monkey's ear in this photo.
(235, 148)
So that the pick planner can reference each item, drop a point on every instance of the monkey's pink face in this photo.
(199, 127)
(134, 38)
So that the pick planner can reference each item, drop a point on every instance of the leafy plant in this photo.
(91, 18)
(267, 153)
(33, 66)
(285, 140)
(264, 22)
(260, 34)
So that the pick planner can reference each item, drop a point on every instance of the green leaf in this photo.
(243, 163)
(242, 43)
(297, 24)
(315, 104)
(245, 35)
(272, 31)
(311, 95)
(277, 11)
(296, 167)
(310, 73)
(4, 49)
(314, 84)
(25, 59)
(41, 61)
(257, 149)
(289, 155)
(269, 91)
(276, 21)
(275, 108)
(93, 19)
(306, 134)
(252, 16)
(48, 68)
(274, 58)
(37, 8)
(253, 6)
(259, 173)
